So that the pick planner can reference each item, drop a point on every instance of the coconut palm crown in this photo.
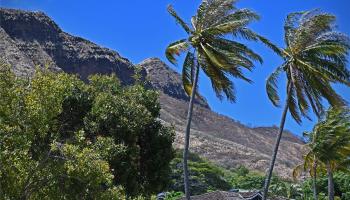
(315, 57)
(208, 47)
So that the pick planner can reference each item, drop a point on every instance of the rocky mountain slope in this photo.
(31, 39)
(218, 137)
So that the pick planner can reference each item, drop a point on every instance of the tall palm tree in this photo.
(332, 147)
(314, 57)
(209, 48)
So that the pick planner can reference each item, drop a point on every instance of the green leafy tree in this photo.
(286, 189)
(342, 182)
(249, 181)
(63, 139)
(205, 176)
(129, 116)
(314, 58)
(207, 47)
(35, 162)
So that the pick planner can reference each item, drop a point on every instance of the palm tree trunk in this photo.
(314, 180)
(330, 182)
(278, 140)
(187, 135)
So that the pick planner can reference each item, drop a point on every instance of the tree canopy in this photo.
(61, 138)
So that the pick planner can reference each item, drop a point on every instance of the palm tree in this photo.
(209, 48)
(329, 148)
(314, 57)
(333, 144)
(311, 163)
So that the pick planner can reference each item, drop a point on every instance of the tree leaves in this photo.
(62, 138)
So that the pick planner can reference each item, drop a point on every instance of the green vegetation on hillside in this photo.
(207, 176)
(61, 138)
(204, 175)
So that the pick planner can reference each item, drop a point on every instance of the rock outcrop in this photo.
(167, 80)
(32, 39)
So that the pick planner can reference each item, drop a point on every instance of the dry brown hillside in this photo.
(218, 137)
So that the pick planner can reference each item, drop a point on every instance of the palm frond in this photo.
(227, 27)
(178, 19)
(314, 98)
(188, 73)
(233, 59)
(234, 47)
(176, 48)
(311, 26)
(237, 15)
(251, 35)
(211, 11)
(219, 57)
(297, 171)
(221, 84)
(271, 85)
(297, 81)
(293, 108)
(290, 27)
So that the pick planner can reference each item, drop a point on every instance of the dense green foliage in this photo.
(207, 176)
(204, 176)
(328, 142)
(242, 178)
(341, 186)
(63, 139)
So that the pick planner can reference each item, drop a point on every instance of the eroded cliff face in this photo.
(31, 39)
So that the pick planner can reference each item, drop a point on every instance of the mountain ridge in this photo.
(31, 39)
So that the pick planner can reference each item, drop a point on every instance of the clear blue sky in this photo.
(139, 29)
